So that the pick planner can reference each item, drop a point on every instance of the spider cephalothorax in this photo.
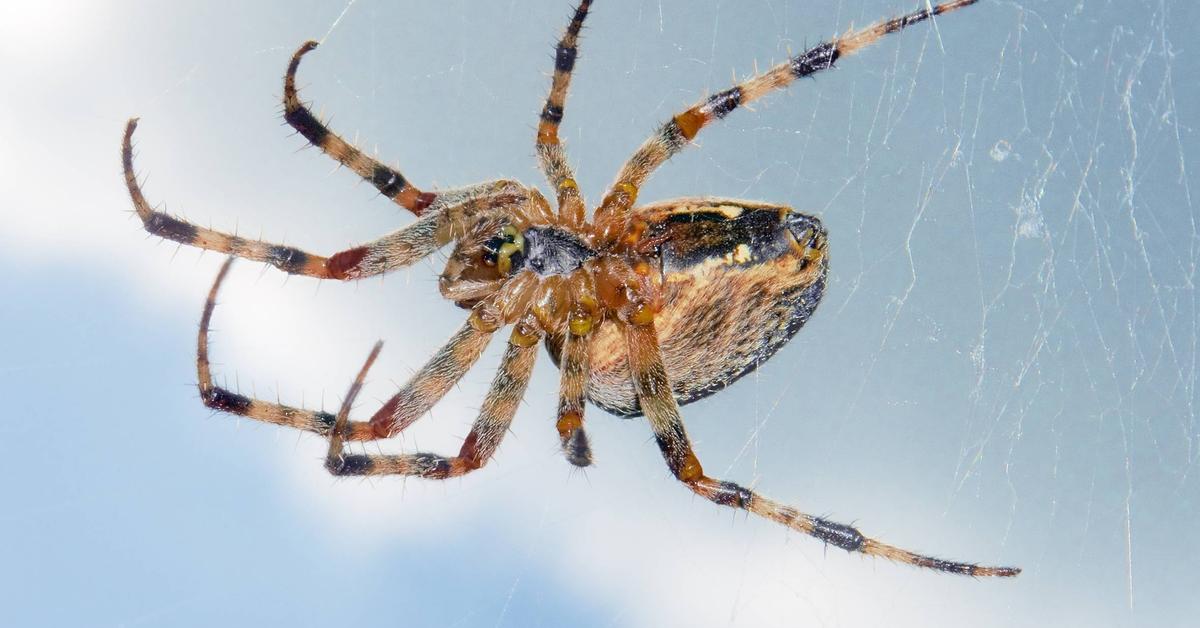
(644, 307)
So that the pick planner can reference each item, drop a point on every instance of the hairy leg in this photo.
(225, 400)
(495, 416)
(673, 136)
(387, 180)
(572, 396)
(654, 393)
(395, 250)
(434, 380)
(551, 157)
(415, 398)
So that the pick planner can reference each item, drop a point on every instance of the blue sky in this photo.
(1003, 369)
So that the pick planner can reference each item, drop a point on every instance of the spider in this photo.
(644, 308)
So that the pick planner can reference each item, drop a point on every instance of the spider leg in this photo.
(225, 400)
(495, 416)
(673, 136)
(654, 393)
(428, 385)
(551, 157)
(418, 395)
(388, 180)
(572, 391)
(395, 250)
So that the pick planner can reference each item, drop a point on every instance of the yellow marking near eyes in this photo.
(513, 235)
(504, 256)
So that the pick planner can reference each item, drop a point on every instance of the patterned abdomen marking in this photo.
(741, 278)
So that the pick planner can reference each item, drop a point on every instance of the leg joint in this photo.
(838, 534)
(171, 228)
(220, 399)
(287, 259)
(721, 103)
(552, 113)
(387, 181)
(306, 124)
(349, 464)
(344, 264)
(814, 60)
(564, 58)
(432, 466)
(730, 494)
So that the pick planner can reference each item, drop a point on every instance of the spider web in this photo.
(1032, 269)
(1007, 352)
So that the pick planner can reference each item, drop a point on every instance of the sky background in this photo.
(1003, 369)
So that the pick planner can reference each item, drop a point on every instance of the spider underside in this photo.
(643, 308)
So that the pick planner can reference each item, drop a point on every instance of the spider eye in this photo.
(505, 251)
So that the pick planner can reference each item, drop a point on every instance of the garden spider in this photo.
(644, 308)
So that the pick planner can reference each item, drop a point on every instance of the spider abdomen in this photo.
(739, 279)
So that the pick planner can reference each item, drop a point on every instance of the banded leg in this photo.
(572, 394)
(225, 400)
(551, 157)
(395, 250)
(676, 133)
(387, 180)
(495, 416)
(654, 393)
(434, 380)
